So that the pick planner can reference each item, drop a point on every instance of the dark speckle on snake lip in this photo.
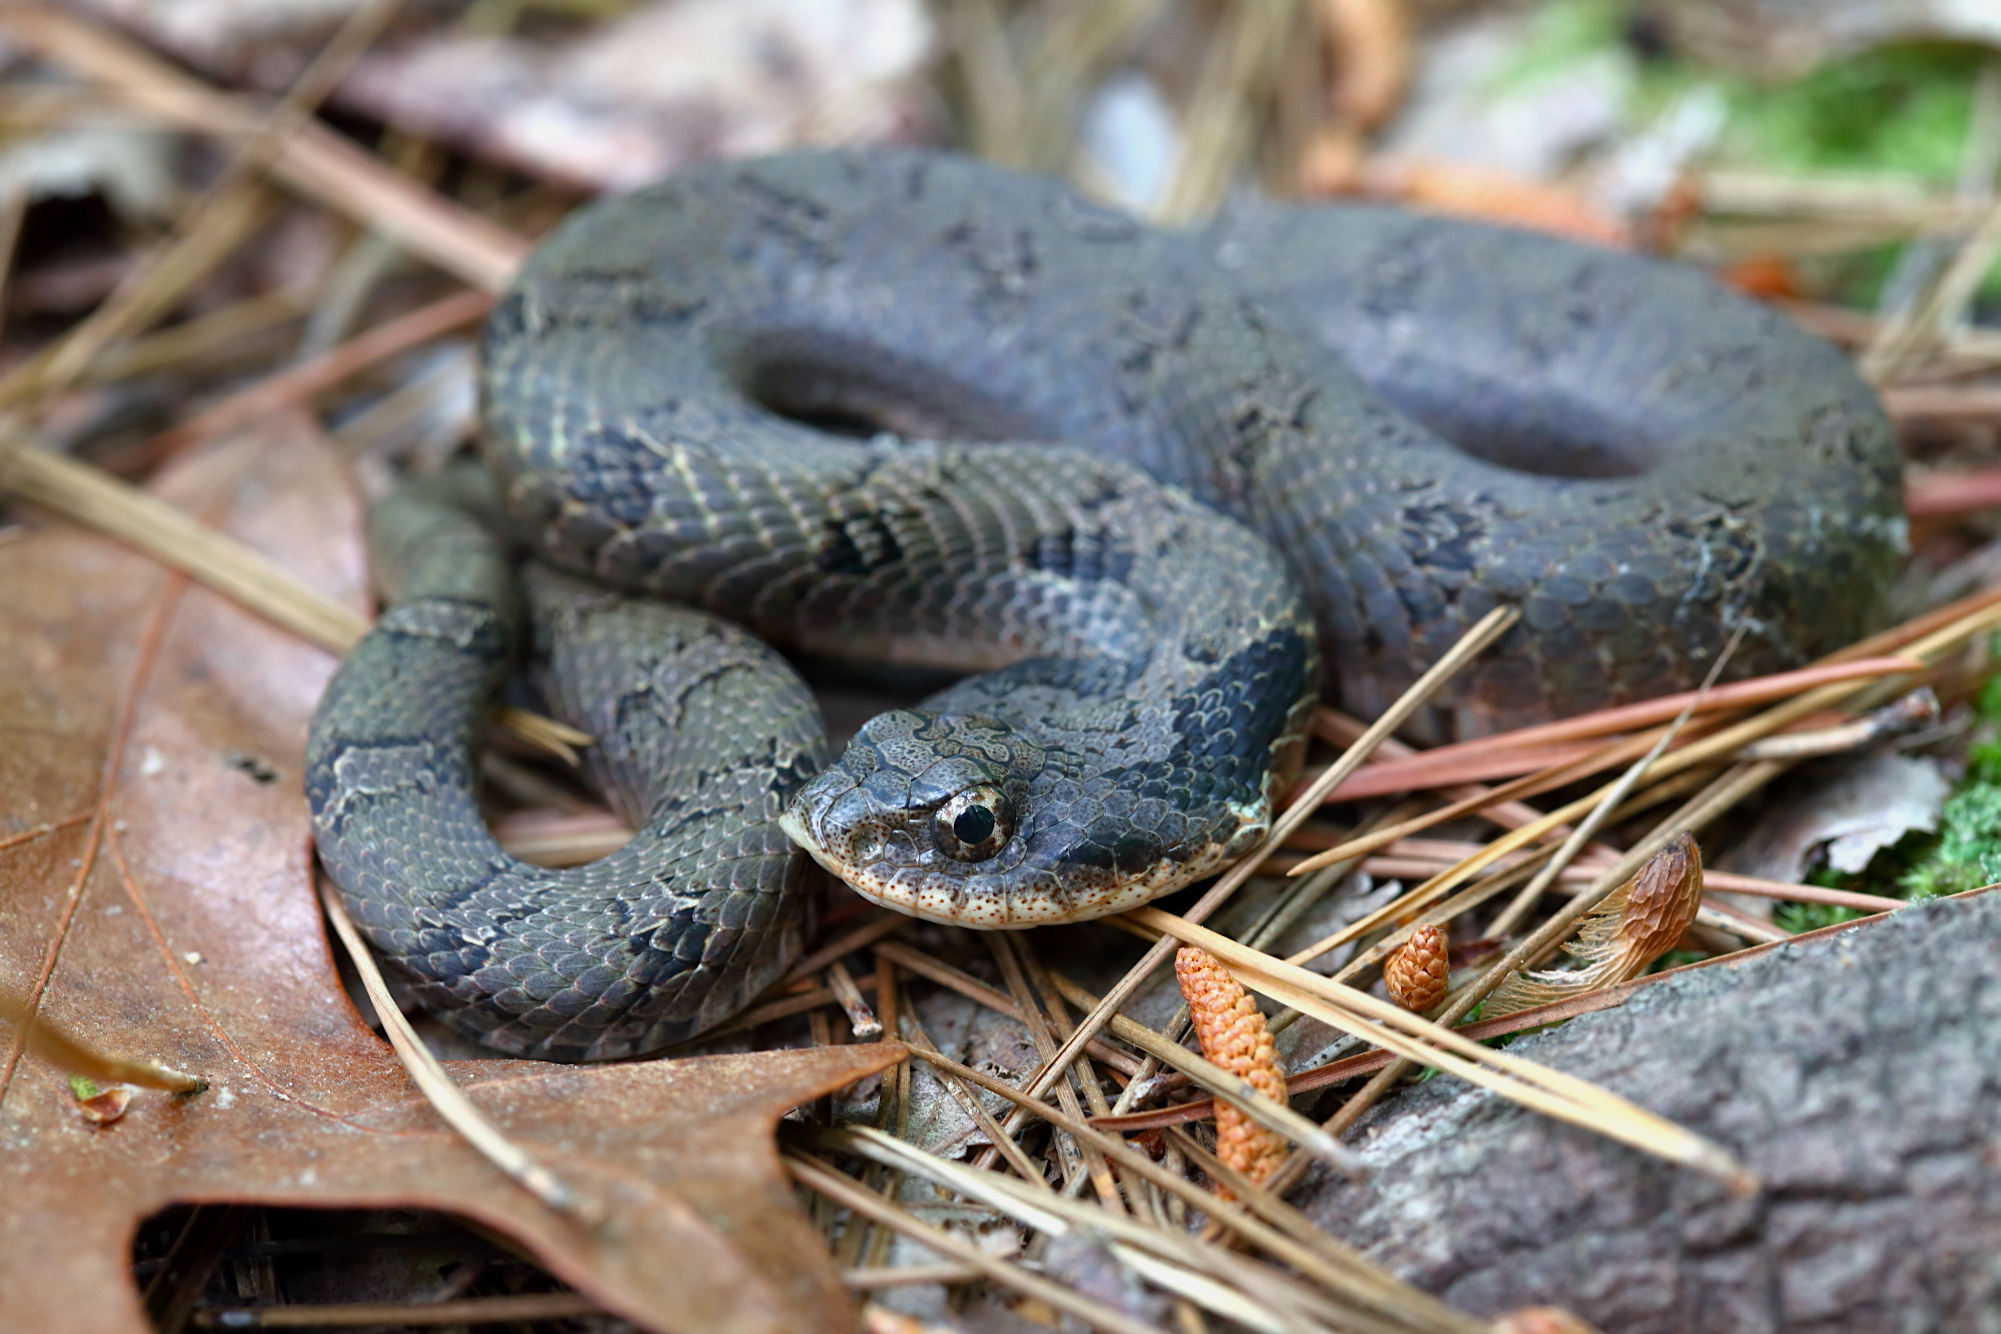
(1160, 490)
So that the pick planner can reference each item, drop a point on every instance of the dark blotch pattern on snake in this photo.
(904, 407)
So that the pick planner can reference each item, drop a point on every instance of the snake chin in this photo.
(964, 820)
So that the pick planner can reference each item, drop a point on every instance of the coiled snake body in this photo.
(904, 407)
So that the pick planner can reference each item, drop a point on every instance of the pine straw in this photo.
(1025, 72)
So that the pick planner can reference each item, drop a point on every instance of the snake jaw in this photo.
(870, 820)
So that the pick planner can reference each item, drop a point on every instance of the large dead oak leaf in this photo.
(156, 901)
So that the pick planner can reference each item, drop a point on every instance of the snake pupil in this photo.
(974, 825)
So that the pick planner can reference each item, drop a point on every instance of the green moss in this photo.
(1968, 851)
(1898, 111)
(1902, 110)
(1799, 917)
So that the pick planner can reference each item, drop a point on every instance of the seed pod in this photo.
(1233, 1035)
(1636, 924)
(1416, 971)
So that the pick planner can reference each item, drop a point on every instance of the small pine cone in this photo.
(1233, 1035)
(1417, 971)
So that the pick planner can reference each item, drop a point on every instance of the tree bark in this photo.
(1859, 1076)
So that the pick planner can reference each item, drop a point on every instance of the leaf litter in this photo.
(177, 720)
(160, 904)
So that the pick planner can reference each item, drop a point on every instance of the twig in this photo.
(450, 1101)
(463, 1311)
(1534, 1086)
(247, 577)
(1260, 1218)
(316, 161)
(865, 1203)
(53, 1045)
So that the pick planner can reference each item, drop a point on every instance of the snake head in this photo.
(918, 806)
(962, 818)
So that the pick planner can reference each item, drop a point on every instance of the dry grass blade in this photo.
(85, 494)
(1533, 1086)
(980, 993)
(437, 1086)
(1379, 1302)
(866, 1204)
(48, 1043)
(1457, 762)
(1237, 1091)
(1719, 796)
(147, 292)
(1242, 63)
(1906, 335)
(315, 161)
(212, 228)
(97, 500)
(1238, 1290)
(1983, 615)
(462, 1311)
(297, 384)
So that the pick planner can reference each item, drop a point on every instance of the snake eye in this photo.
(973, 825)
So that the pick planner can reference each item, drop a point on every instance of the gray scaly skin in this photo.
(904, 407)
(703, 735)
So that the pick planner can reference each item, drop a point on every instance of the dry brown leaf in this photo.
(629, 100)
(156, 904)
(1633, 926)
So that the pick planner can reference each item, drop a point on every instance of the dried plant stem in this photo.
(1233, 1089)
(199, 336)
(1718, 797)
(1504, 925)
(1259, 1217)
(48, 1042)
(1250, 1293)
(250, 579)
(912, 1032)
(858, 938)
(146, 293)
(437, 1086)
(459, 1311)
(1851, 695)
(980, 993)
(1548, 1091)
(862, 1021)
(247, 577)
(315, 161)
(1908, 334)
(212, 229)
(1400, 866)
(1242, 61)
(297, 384)
(1416, 769)
(1079, 43)
(867, 1205)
